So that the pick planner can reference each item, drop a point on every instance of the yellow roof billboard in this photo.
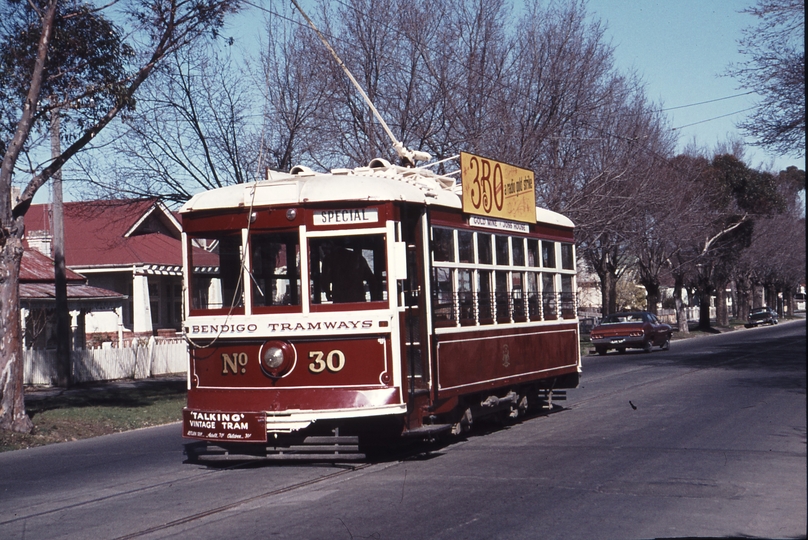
(492, 188)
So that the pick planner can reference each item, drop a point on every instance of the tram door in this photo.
(413, 319)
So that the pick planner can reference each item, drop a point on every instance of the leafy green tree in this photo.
(737, 196)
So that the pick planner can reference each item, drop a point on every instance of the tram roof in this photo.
(380, 181)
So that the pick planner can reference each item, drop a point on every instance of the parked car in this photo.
(631, 330)
(761, 315)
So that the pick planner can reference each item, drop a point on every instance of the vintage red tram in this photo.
(321, 306)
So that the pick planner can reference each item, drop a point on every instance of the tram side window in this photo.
(275, 269)
(502, 297)
(443, 295)
(443, 244)
(549, 300)
(465, 246)
(567, 260)
(503, 258)
(484, 251)
(567, 298)
(533, 303)
(533, 253)
(484, 300)
(508, 279)
(348, 269)
(216, 263)
(465, 296)
(548, 254)
(518, 251)
(517, 296)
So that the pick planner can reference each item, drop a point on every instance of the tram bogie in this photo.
(368, 302)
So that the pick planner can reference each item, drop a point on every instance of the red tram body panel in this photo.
(320, 301)
(477, 361)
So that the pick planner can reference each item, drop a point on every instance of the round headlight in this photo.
(273, 358)
(277, 358)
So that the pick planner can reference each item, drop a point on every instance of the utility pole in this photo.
(63, 364)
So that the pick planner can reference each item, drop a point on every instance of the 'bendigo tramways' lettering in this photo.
(219, 329)
(223, 328)
(325, 325)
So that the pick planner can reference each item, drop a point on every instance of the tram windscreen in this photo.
(215, 264)
(348, 269)
(275, 269)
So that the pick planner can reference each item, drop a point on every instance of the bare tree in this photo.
(623, 153)
(294, 96)
(776, 256)
(157, 29)
(562, 76)
(775, 69)
(191, 131)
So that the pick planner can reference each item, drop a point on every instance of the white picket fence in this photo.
(141, 360)
(692, 314)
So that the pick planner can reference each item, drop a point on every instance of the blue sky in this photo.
(680, 48)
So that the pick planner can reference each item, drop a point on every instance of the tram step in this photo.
(427, 430)
(313, 452)
(332, 448)
(558, 395)
(337, 439)
(315, 457)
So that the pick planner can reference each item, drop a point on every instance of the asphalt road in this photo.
(706, 440)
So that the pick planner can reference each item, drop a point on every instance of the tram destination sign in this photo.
(498, 190)
(342, 216)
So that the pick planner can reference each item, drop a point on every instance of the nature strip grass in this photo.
(97, 410)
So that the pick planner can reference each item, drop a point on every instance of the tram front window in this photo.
(348, 269)
(215, 263)
(275, 276)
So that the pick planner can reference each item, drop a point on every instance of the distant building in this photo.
(132, 247)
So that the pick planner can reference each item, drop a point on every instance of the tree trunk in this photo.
(721, 314)
(704, 309)
(743, 288)
(681, 316)
(771, 297)
(612, 292)
(652, 298)
(606, 288)
(12, 398)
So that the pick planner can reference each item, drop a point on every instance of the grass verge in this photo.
(85, 412)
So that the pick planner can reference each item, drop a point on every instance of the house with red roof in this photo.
(132, 247)
(93, 311)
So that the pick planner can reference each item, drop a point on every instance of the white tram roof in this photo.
(380, 181)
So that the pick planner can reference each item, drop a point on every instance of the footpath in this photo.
(39, 393)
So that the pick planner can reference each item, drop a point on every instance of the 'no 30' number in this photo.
(334, 361)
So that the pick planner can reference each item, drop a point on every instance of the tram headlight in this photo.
(278, 358)
(273, 358)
